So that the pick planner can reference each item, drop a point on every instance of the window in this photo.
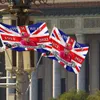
(3, 71)
(12, 90)
(87, 72)
(67, 23)
(13, 22)
(30, 22)
(14, 52)
(63, 85)
(2, 93)
(14, 58)
(40, 89)
(32, 58)
(91, 22)
(1, 43)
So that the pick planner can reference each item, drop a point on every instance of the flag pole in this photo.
(37, 66)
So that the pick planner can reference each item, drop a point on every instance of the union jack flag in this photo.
(12, 34)
(59, 39)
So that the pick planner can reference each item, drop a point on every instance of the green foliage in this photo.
(97, 93)
(73, 95)
(95, 96)
(53, 99)
(80, 95)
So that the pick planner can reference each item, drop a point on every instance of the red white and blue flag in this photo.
(59, 39)
(12, 34)
(56, 41)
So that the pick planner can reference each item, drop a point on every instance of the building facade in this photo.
(80, 20)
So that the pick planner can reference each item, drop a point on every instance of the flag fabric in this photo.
(57, 43)
(59, 39)
(53, 43)
(50, 55)
(12, 35)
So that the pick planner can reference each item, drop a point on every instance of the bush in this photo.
(95, 96)
(53, 99)
(73, 95)
(81, 95)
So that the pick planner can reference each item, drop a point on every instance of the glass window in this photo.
(67, 23)
(63, 85)
(1, 43)
(91, 22)
(14, 58)
(12, 90)
(40, 89)
(13, 22)
(87, 73)
(32, 58)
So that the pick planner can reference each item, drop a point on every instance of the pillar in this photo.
(94, 66)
